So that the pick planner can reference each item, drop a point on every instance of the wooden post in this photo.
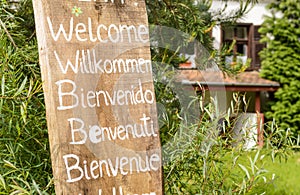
(260, 133)
(260, 119)
(257, 102)
(101, 110)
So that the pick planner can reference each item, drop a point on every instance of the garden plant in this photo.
(201, 161)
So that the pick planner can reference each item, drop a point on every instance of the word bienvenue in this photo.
(78, 169)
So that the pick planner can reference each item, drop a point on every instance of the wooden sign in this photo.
(99, 95)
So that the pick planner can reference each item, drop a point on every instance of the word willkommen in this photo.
(86, 62)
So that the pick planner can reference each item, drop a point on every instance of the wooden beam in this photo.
(238, 88)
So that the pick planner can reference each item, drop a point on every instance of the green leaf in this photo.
(245, 170)
(21, 88)
(2, 182)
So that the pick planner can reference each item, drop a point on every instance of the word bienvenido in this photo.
(92, 99)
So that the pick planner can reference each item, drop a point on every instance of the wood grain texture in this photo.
(101, 112)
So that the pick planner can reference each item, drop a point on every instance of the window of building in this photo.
(247, 45)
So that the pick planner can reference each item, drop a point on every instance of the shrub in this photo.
(281, 61)
(199, 161)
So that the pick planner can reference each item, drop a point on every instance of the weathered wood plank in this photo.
(100, 102)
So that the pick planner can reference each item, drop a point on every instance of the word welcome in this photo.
(97, 134)
(113, 33)
(86, 62)
(92, 99)
(78, 169)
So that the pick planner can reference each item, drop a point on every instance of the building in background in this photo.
(246, 49)
(245, 33)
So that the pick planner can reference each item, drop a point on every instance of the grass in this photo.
(24, 150)
(281, 175)
(287, 176)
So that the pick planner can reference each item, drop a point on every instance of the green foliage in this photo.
(185, 16)
(206, 164)
(286, 178)
(192, 22)
(25, 166)
(281, 61)
(203, 162)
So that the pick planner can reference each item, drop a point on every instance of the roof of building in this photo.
(217, 80)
